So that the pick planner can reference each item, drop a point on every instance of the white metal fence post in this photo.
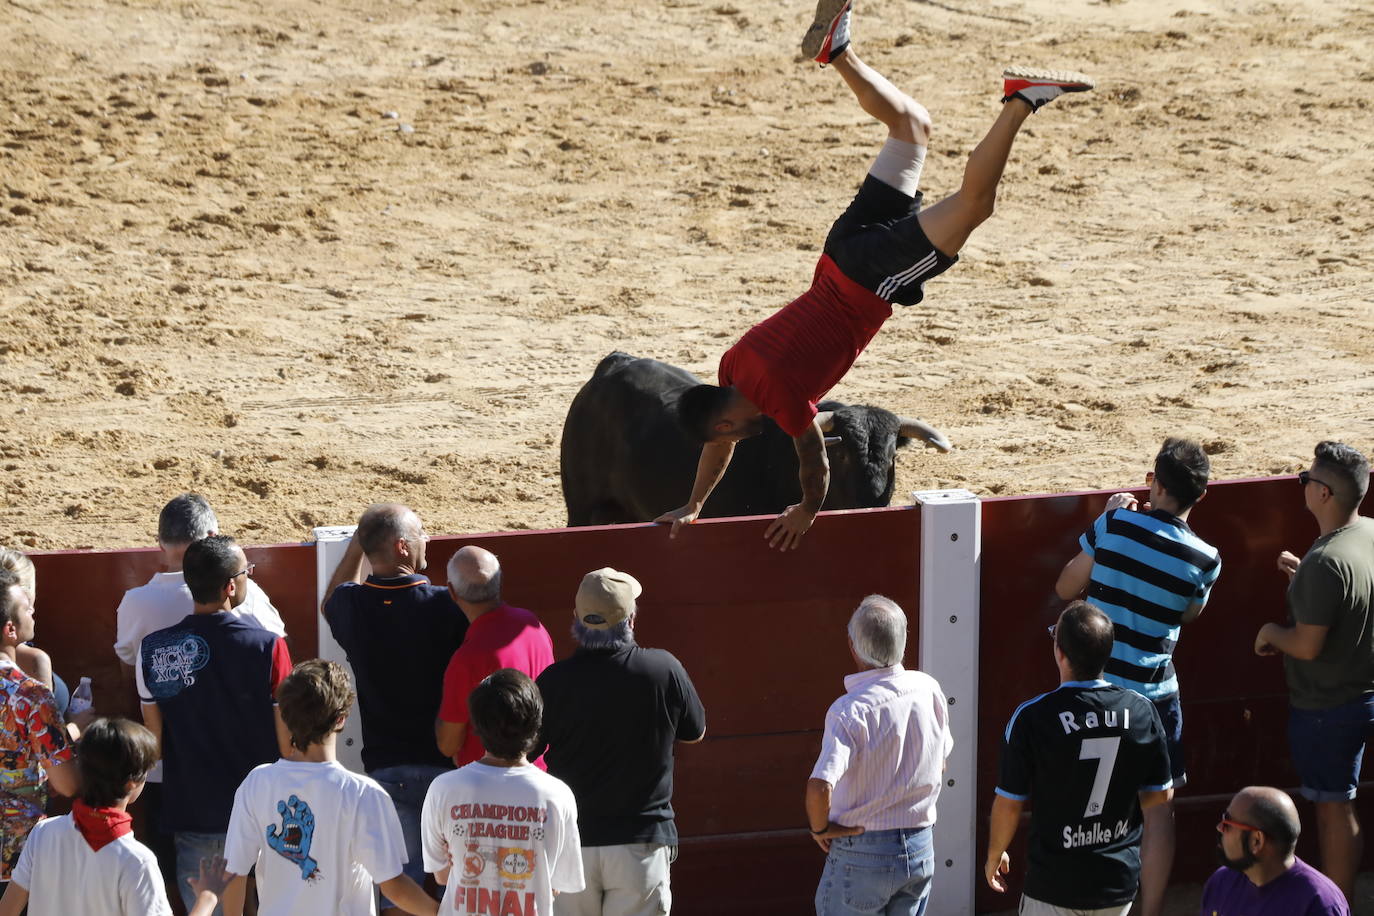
(330, 544)
(951, 550)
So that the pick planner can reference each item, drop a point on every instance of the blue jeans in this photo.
(407, 785)
(191, 848)
(881, 871)
(1328, 745)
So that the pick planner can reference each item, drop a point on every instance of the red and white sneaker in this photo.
(1036, 87)
(828, 36)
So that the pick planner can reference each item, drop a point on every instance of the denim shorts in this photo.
(1327, 746)
(880, 871)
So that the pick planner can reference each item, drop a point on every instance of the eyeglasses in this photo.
(1227, 822)
(1305, 478)
(246, 571)
(1052, 629)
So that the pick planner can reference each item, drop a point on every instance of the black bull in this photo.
(625, 459)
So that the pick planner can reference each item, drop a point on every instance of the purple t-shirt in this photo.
(1300, 891)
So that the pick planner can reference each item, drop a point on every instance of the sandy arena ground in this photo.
(304, 256)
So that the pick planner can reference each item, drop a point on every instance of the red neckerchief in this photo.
(100, 826)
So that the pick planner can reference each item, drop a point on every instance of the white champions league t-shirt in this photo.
(511, 835)
(63, 875)
(319, 835)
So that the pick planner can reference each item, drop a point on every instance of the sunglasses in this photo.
(1237, 825)
(1305, 478)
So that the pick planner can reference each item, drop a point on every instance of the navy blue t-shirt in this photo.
(1082, 754)
(212, 677)
(399, 634)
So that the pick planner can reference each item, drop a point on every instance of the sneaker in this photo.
(828, 36)
(1036, 87)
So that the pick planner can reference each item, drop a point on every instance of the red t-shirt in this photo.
(506, 637)
(787, 363)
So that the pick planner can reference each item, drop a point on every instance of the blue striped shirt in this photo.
(1148, 568)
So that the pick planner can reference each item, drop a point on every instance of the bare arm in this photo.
(350, 568)
(450, 736)
(13, 902)
(35, 663)
(1157, 797)
(715, 458)
(64, 778)
(152, 720)
(232, 897)
(406, 894)
(1073, 580)
(814, 473)
(1006, 815)
(1193, 612)
(818, 812)
(1303, 641)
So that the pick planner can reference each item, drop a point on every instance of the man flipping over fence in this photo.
(880, 251)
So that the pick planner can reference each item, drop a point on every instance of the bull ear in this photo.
(826, 419)
(915, 429)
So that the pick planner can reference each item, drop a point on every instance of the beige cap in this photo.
(606, 597)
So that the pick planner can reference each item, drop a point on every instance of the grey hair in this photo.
(474, 592)
(613, 637)
(382, 525)
(877, 630)
(186, 519)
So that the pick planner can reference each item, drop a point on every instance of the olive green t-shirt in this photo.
(1334, 587)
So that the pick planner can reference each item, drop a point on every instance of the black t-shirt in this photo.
(610, 720)
(399, 634)
(1082, 753)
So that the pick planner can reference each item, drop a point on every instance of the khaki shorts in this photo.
(630, 880)
(1032, 907)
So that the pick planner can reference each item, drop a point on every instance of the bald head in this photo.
(1271, 810)
(474, 576)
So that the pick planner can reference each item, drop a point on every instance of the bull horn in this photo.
(915, 429)
(826, 420)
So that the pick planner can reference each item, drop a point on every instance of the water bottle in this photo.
(81, 698)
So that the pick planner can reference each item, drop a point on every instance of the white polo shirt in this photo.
(166, 600)
(884, 749)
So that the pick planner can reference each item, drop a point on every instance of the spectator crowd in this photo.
(499, 779)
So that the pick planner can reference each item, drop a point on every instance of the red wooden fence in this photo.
(762, 635)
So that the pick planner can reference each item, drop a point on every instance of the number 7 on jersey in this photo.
(1103, 750)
